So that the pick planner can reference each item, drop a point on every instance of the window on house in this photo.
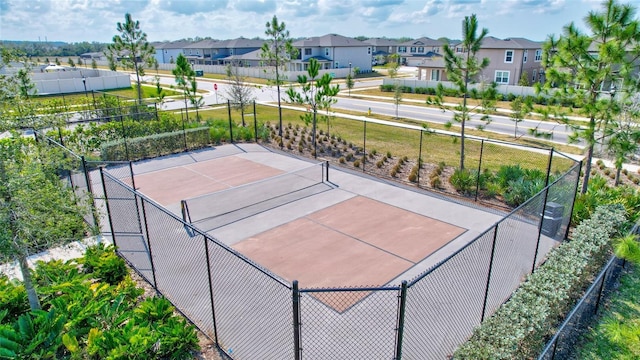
(508, 56)
(307, 51)
(533, 76)
(460, 50)
(436, 49)
(420, 49)
(435, 74)
(337, 65)
(402, 49)
(502, 77)
(369, 51)
(390, 49)
(413, 49)
(538, 55)
(326, 51)
(525, 56)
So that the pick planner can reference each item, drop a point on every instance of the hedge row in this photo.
(476, 94)
(155, 145)
(520, 327)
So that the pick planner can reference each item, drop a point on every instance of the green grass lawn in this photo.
(401, 142)
(617, 334)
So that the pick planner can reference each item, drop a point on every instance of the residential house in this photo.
(227, 51)
(381, 48)
(332, 52)
(200, 52)
(509, 59)
(417, 52)
(167, 53)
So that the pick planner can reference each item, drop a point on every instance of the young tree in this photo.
(71, 63)
(94, 64)
(461, 70)
(584, 65)
(524, 79)
(184, 74)
(35, 208)
(239, 93)
(393, 65)
(131, 49)
(623, 134)
(520, 108)
(349, 82)
(397, 97)
(316, 94)
(278, 51)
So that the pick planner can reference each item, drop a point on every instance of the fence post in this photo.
(327, 166)
(184, 136)
(604, 276)
(486, 291)
(544, 208)
(296, 320)
(255, 121)
(106, 201)
(479, 169)
(213, 311)
(230, 126)
(146, 229)
(402, 306)
(135, 195)
(573, 201)
(87, 178)
(364, 147)
(419, 158)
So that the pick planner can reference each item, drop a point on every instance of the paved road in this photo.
(268, 94)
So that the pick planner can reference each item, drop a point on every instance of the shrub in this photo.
(389, 154)
(349, 156)
(356, 163)
(379, 163)
(435, 182)
(342, 160)
(393, 172)
(104, 264)
(464, 181)
(519, 327)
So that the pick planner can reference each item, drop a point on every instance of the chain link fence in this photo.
(251, 313)
(563, 344)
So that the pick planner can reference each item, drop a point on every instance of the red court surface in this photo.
(172, 185)
(357, 242)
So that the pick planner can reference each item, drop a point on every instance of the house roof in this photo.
(381, 42)
(251, 55)
(423, 41)
(317, 57)
(203, 44)
(238, 43)
(490, 42)
(179, 44)
(329, 40)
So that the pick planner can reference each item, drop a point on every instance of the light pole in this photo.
(350, 79)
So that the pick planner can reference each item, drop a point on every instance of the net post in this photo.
(479, 170)
(327, 167)
(295, 301)
(185, 211)
(146, 228)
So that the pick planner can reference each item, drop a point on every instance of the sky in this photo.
(96, 20)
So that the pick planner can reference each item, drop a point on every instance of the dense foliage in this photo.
(84, 316)
(520, 327)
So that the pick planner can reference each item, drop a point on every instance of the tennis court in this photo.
(284, 214)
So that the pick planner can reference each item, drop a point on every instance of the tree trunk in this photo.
(34, 302)
(186, 109)
(587, 170)
(242, 114)
(618, 170)
(135, 65)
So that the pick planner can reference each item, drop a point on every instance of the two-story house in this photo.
(332, 52)
(211, 52)
(381, 48)
(200, 52)
(417, 52)
(510, 59)
(167, 53)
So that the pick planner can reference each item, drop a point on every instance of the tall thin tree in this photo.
(278, 50)
(461, 70)
(184, 75)
(131, 49)
(584, 65)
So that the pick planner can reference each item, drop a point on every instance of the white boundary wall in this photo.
(70, 81)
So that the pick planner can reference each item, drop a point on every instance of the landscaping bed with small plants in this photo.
(507, 187)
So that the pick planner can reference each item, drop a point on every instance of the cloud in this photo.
(4, 6)
(191, 7)
(298, 8)
(256, 6)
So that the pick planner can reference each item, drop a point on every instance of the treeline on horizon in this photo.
(61, 48)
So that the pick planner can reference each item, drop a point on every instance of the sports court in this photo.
(302, 221)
